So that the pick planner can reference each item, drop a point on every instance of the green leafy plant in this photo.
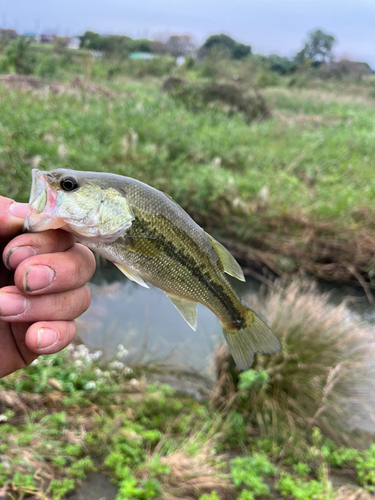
(247, 473)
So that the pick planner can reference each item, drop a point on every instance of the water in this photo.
(146, 323)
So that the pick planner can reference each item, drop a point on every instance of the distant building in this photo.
(180, 60)
(46, 38)
(141, 55)
(74, 43)
(30, 34)
(353, 68)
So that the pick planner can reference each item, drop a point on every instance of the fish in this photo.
(152, 240)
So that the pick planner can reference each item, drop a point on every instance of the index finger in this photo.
(12, 215)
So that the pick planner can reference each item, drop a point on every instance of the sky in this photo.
(269, 26)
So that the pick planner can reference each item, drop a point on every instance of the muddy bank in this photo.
(294, 245)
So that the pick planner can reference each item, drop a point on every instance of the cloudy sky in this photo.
(269, 26)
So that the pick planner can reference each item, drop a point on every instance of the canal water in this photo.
(147, 324)
(150, 328)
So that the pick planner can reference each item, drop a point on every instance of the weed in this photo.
(303, 490)
(247, 473)
(323, 369)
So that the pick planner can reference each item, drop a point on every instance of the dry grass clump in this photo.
(238, 99)
(346, 493)
(192, 475)
(324, 376)
(76, 85)
(292, 243)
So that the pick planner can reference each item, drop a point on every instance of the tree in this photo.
(91, 40)
(20, 56)
(60, 43)
(180, 45)
(141, 45)
(225, 43)
(282, 65)
(118, 45)
(7, 35)
(318, 47)
(112, 45)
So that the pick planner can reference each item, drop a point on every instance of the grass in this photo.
(295, 186)
(58, 424)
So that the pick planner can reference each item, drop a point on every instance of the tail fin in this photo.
(254, 336)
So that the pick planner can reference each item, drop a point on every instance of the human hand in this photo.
(42, 289)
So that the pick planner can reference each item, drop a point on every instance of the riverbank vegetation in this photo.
(283, 429)
(275, 158)
(290, 193)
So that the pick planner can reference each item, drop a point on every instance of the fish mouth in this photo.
(38, 194)
(42, 202)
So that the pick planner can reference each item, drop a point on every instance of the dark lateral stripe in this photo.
(216, 289)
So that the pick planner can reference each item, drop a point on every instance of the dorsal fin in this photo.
(170, 197)
(230, 265)
(131, 275)
(187, 309)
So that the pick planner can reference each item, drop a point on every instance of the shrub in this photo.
(321, 376)
(158, 67)
(267, 78)
(46, 66)
(4, 64)
(247, 473)
(198, 96)
(20, 55)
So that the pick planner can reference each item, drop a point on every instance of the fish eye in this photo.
(68, 184)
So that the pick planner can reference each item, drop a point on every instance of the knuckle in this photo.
(88, 260)
(87, 297)
(75, 303)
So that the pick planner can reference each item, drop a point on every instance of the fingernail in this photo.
(12, 304)
(18, 209)
(46, 337)
(38, 277)
(18, 254)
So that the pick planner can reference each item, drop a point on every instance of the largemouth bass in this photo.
(150, 238)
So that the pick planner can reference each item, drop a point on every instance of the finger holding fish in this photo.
(55, 272)
(44, 337)
(27, 245)
(16, 307)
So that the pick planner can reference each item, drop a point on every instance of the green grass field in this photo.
(296, 184)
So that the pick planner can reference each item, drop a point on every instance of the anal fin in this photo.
(130, 274)
(187, 309)
(230, 265)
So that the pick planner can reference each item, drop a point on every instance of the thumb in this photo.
(12, 215)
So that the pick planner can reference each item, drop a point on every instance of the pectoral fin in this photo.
(130, 274)
(231, 266)
(187, 309)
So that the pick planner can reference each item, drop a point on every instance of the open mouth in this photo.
(37, 202)
(42, 205)
(38, 194)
